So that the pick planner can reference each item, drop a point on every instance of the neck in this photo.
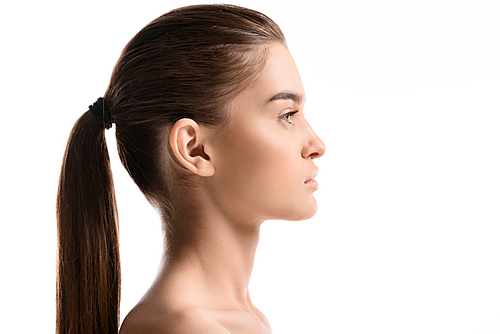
(210, 260)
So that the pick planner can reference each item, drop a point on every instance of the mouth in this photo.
(311, 181)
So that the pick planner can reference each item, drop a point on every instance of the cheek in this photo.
(262, 175)
(265, 165)
(258, 161)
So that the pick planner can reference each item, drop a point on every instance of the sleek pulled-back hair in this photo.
(188, 63)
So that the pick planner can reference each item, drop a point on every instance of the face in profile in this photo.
(264, 164)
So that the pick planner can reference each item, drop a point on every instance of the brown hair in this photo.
(188, 63)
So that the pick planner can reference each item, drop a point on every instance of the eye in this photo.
(288, 116)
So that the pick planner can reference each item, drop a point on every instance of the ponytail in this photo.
(88, 271)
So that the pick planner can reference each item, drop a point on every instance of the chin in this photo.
(302, 212)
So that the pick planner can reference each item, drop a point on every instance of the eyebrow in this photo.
(286, 95)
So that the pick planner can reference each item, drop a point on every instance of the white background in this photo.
(406, 96)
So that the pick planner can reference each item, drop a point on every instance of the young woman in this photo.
(208, 108)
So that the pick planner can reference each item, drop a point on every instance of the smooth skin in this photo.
(259, 169)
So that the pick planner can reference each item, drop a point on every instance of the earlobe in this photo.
(188, 143)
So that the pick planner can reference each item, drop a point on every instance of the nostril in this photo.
(320, 149)
(314, 155)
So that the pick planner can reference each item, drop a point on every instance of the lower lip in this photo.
(312, 183)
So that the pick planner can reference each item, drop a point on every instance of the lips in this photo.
(311, 181)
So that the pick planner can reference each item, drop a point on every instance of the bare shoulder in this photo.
(188, 320)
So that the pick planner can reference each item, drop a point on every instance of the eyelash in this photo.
(290, 115)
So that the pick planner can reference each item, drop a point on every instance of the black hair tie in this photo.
(101, 113)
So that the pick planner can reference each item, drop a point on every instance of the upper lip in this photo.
(313, 175)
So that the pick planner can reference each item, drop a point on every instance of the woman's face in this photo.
(264, 164)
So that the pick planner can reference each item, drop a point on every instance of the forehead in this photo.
(279, 79)
(281, 76)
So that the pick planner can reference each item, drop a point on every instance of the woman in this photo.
(208, 107)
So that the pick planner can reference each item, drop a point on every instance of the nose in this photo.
(314, 147)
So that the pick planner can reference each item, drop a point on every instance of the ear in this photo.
(187, 140)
